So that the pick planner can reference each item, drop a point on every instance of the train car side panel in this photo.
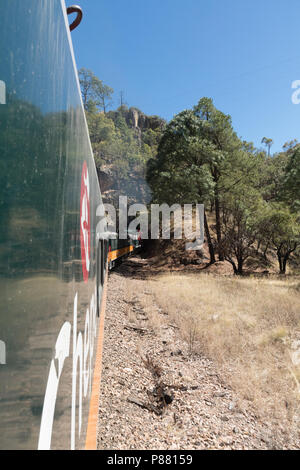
(49, 194)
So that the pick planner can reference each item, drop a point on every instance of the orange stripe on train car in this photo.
(91, 434)
(113, 255)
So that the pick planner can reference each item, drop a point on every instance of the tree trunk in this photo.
(240, 266)
(209, 240)
(266, 251)
(282, 265)
(233, 265)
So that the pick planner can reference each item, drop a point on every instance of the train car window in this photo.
(102, 262)
(104, 256)
(98, 275)
(107, 250)
(2, 92)
(115, 244)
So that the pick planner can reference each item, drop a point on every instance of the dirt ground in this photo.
(154, 394)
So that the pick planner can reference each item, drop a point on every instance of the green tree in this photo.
(178, 174)
(103, 95)
(219, 148)
(242, 207)
(86, 78)
(200, 141)
(272, 175)
(268, 143)
(282, 231)
(95, 94)
(291, 184)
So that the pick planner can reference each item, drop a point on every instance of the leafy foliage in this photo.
(198, 158)
(123, 140)
(95, 94)
(291, 185)
(255, 197)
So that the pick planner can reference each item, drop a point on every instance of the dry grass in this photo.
(248, 326)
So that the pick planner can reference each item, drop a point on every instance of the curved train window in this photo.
(102, 265)
(98, 275)
(106, 252)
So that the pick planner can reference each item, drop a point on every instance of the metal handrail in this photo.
(77, 21)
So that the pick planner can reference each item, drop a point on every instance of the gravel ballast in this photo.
(155, 395)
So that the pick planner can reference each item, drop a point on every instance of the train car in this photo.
(118, 250)
(53, 245)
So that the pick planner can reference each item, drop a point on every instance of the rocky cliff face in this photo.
(132, 183)
(137, 119)
(134, 186)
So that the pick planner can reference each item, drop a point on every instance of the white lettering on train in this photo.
(62, 351)
(83, 352)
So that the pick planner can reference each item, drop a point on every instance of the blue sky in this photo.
(167, 54)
